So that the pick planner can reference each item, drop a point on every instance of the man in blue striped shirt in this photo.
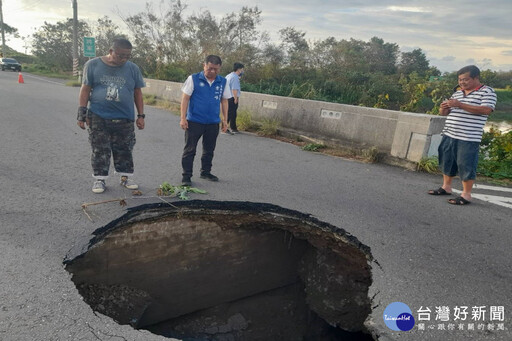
(467, 111)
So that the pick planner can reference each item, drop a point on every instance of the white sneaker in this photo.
(128, 183)
(98, 186)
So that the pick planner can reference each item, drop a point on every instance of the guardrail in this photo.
(403, 135)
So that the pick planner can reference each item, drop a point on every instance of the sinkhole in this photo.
(209, 270)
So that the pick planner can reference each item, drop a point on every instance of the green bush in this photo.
(504, 95)
(73, 83)
(371, 154)
(171, 72)
(429, 164)
(23, 58)
(47, 71)
(495, 159)
(269, 127)
(313, 147)
(149, 99)
(244, 120)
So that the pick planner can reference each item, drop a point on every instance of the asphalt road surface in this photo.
(430, 254)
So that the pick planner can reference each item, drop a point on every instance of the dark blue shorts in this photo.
(458, 156)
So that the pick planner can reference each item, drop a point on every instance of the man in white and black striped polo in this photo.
(467, 111)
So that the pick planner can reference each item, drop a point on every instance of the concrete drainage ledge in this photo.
(218, 270)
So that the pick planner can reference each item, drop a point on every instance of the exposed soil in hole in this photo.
(206, 270)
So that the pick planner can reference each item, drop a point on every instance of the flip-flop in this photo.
(439, 191)
(459, 201)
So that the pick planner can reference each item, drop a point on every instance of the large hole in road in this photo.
(206, 270)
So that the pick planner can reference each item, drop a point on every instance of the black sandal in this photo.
(459, 201)
(439, 191)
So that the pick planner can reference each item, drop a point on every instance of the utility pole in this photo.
(3, 32)
(75, 38)
(25, 42)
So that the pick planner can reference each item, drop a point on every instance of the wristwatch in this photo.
(141, 115)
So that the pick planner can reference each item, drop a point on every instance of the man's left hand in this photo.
(140, 123)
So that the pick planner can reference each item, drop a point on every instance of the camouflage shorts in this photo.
(111, 137)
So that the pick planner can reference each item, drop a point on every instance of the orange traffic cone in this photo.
(20, 78)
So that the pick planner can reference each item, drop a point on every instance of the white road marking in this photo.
(42, 79)
(494, 188)
(493, 199)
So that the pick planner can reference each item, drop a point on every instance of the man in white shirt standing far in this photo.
(233, 80)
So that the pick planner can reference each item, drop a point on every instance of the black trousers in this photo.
(195, 131)
(232, 109)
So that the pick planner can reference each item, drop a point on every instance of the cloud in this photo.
(408, 9)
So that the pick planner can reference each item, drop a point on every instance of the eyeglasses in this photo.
(123, 55)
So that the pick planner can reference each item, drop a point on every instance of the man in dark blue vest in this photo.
(204, 94)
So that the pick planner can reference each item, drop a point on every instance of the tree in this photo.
(52, 44)
(11, 30)
(159, 38)
(239, 39)
(296, 46)
(414, 61)
(239, 29)
(165, 37)
(348, 57)
(380, 56)
(105, 31)
(489, 77)
(322, 53)
(206, 31)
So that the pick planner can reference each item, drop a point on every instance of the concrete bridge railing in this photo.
(403, 135)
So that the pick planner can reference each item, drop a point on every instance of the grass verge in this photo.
(162, 103)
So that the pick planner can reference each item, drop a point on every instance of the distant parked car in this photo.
(10, 64)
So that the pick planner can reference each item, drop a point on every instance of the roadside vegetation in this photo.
(245, 122)
(313, 147)
(268, 127)
(503, 110)
(496, 155)
(162, 103)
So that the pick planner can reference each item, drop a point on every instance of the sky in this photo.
(452, 33)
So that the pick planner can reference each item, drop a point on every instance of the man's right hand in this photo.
(444, 108)
(81, 117)
(82, 124)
